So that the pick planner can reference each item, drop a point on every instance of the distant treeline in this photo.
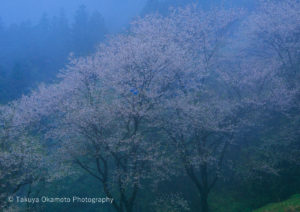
(31, 53)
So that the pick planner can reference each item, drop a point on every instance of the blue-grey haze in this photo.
(115, 12)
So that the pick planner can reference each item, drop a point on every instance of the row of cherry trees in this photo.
(177, 95)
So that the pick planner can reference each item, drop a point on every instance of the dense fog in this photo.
(150, 105)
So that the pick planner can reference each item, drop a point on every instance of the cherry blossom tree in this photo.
(274, 34)
(199, 117)
(274, 30)
(101, 110)
(21, 160)
(273, 60)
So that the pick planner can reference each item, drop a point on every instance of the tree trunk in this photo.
(204, 203)
(129, 208)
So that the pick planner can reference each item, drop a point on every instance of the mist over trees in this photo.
(191, 109)
(31, 53)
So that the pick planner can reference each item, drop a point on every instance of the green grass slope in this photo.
(290, 205)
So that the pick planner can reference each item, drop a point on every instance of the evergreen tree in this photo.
(80, 32)
(97, 29)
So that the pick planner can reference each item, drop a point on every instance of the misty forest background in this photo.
(261, 165)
